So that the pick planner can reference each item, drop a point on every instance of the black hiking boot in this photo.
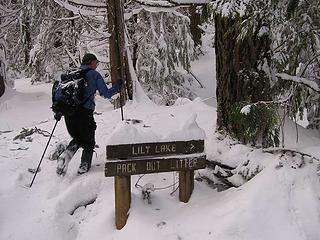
(86, 159)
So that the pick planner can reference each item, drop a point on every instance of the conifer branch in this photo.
(304, 81)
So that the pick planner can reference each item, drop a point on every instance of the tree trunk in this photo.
(2, 86)
(117, 51)
(73, 37)
(27, 42)
(195, 21)
(239, 76)
(135, 45)
(2, 74)
(2, 66)
(26, 33)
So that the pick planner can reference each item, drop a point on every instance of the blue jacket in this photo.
(95, 82)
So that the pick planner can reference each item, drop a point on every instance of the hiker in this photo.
(81, 125)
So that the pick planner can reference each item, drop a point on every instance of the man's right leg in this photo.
(87, 140)
(65, 158)
(86, 160)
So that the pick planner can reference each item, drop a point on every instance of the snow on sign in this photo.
(149, 149)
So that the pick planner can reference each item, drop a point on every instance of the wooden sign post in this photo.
(146, 158)
(122, 189)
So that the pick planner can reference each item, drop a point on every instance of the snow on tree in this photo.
(8, 13)
(296, 27)
(56, 45)
(163, 45)
(255, 40)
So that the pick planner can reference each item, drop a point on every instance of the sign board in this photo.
(133, 167)
(132, 159)
(153, 149)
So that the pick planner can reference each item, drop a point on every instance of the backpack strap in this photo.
(87, 99)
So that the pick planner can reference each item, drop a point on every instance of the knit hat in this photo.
(88, 57)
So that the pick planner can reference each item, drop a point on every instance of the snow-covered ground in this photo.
(280, 201)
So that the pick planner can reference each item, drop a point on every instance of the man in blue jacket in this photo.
(81, 125)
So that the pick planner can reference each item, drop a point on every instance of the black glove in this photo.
(57, 116)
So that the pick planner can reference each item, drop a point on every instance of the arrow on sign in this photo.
(192, 146)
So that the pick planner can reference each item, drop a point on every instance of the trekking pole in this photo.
(121, 104)
(35, 174)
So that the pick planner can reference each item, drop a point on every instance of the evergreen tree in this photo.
(243, 55)
(255, 40)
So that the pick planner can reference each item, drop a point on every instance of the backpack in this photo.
(68, 93)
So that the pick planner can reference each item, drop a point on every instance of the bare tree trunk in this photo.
(2, 86)
(73, 36)
(239, 77)
(26, 33)
(2, 67)
(195, 21)
(118, 63)
(135, 44)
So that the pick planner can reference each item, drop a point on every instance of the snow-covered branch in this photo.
(7, 23)
(189, 2)
(107, 35)
(7, 12)
(77, 10)
(306, 82)
(88, 3)
(154, 3)
(63, 19)
(246, 109)
(171, 3)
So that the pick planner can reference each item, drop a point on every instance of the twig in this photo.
(20, 148)
(71, 56)
(194, 76)
(212, 164)
(42, 132)
(93, 28)
(27, 132)
(297, 130)
(24, 133)
(6, 131)
(9, 11)
(309, 62)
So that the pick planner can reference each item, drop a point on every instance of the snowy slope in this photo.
(280, 202)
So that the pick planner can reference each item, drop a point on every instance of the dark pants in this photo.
(81, 127)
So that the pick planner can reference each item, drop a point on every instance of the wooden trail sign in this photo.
(153, 149)
(145, 158)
